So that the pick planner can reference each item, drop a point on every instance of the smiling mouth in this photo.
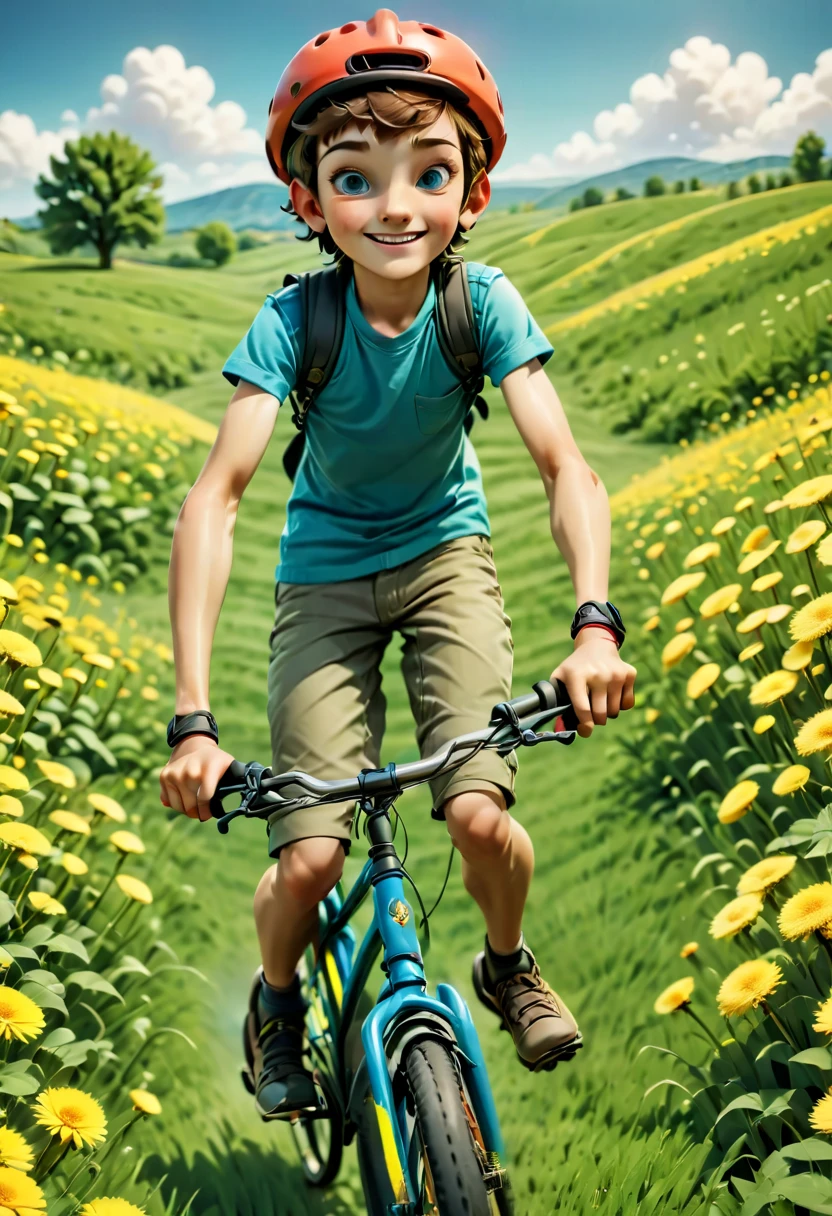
(403, 238)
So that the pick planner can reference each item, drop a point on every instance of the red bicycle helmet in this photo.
(362, 55)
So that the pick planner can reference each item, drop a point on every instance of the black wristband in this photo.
(597, 612)
(200, 722)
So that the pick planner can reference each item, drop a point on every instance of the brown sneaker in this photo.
(275, 1072)
(543, 1029)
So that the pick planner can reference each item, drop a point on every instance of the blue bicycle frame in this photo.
(402, 1013)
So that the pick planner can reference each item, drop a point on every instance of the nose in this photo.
(396, 207)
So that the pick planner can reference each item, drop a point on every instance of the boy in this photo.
(385, 132)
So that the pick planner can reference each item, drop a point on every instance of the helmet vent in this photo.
(430, 29)
(412, 61)
(295, 89)
(481, 70)
(321, 39)
(348, 28)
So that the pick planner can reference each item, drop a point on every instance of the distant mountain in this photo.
(671, 168)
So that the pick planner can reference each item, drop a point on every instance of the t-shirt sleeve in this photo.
(509, 335)
(268, 354)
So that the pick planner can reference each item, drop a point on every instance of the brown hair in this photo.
(389, 112)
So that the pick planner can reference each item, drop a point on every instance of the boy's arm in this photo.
(580, 522)
(200, 562)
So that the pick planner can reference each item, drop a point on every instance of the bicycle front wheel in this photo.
(451, 1165)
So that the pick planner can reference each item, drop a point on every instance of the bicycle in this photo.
(404, 1074)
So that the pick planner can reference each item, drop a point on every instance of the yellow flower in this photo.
(773, 687)
(809, 492)
(737, 801)
(720, 601)
(682, 586)
(813, 620)
(8, 592)
(723, 525)
(68, 821)
(73, 864)
(766, 581)
(651, 624)
(685, 623)
(18, 650)
(824, 551)
(27, 860)
(9, 805)
(651, 715)
(747, 985)
(15, 1151)
(134, 888)
(736, 915)
(823, 1014)
(677, 648)
(765, 874)
(46, 904)
(810, 909)
(805, 535)
(110, 1207)
(655, 550)
(791, 780)
(820, 1116)
(47, 676)
(108, 806)
(127, 842)
(744, 503)
(74, 673)
(145, 1101)
(815, 735)
(753, 621)
(676, 996)
(10, 707)
(11, 779)
(702, 679)
(688, 949)
(763, 723)
(72, 1115)
(20, 1195)
(20, 1017)
(750, 651)
(777, 613)
(702, 553)
(57, 774)
(755, 538)
(26, 837)
(798, 656)
(756, 558)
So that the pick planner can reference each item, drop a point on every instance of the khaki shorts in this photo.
(325, 702)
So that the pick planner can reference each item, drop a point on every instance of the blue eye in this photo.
(348, 181)
(435, 177)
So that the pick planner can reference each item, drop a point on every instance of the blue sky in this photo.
(558, 66)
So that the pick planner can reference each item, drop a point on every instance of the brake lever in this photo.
(531, 739)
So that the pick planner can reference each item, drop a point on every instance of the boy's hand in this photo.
(594, 669)
(189, 779)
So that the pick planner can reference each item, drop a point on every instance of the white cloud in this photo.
(704, 105)
(162, 104)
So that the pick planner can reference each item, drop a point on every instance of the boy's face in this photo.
(410, 186)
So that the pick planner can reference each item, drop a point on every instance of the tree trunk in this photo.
(104, 261)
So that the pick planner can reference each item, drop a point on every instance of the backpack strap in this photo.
(457, 333)
(323, 309)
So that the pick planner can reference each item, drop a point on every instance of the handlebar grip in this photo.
(229, 783)
(555, 694)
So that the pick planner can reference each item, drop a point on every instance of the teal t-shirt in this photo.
(387, 470)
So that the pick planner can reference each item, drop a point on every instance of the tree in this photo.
(754, 184)
(786, 179)
(104, 193)
(733, 190)
(576, 204)
(694, 184)
(593, 197)
(771, 181)
(216, 242)
(622, 194)
(654, 186)
(679, 187)
(807, 157)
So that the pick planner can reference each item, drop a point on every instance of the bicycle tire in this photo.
(454, 1178)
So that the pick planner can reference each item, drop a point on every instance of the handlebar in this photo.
(513, 723)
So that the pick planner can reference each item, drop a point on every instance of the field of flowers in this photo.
(731, 545)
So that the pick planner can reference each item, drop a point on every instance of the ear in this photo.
(306, 205)
(479, 196)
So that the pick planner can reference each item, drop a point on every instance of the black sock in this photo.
(502, 966)
(276, 1002)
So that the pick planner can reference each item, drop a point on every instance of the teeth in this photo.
(395, 240)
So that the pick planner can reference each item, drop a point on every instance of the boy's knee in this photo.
(478, 823)
(309, 869)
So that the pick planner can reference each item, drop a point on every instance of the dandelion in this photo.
(815, 735)
(10, 707)
(675, 997)
(651, 715)
(824, 551)
(127, 842)
(108, 806)
(737, 802)
(743, 504)
(9, 805)
(145, 1101)
(71, 1114)
(46, 904)
(766, 581)
(688, 949)
(110, 1207)
(20, 1017)
(134, 888)
(753, 621)
(823, 1016)
(18, 651)
(68, 821)
(750, 651)
(677, 649)
(755, 537)
(777, 613)
(806, 911)
(773, 687)
(736, 916)
(805, 535)
(720, 601)
(798, 656)
(702, 679)
(57, 774)
(25, 837)
(723, 525)
(765, 874)
(813, 620)
(763, 723)
(747, 986)
(809, 492)
(685, 623)
(791, 780)
(702, 553)
(756, 558)
(820, 1116)
(655, 550)
(20, 1195)
(73, 864)
(15, 1151)
(682, 586)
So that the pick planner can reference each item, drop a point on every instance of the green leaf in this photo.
(817, 1057)
(92, 743)
(45, 997)
(91, 981)
(705, 861)
(38, 935)
(130, 966)
(18, 950)
(77, 515)
(22, 493)
(62, 943)
(743, 1102)
(18, 1083)
(56, 1038)
(6, 910)
(808, 1150)
(73, 1054)
(46, 979)
(808, 1190)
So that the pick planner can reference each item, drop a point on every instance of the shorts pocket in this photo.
(435, 413)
